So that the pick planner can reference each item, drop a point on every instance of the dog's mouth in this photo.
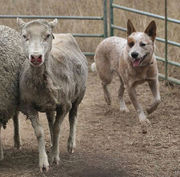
(138, 61)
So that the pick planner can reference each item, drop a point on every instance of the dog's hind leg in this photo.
(123, 106)
(106, 80)
(106, 76)
(107, 95)
(154, 86)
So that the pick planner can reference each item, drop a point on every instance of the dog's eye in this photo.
(142, 44)
(131, 44)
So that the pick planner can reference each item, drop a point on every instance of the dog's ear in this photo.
(151, 30)
(130, 28)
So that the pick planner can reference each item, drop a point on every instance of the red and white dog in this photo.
(134, 61)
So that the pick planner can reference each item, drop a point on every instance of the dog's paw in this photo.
(153, 107)
(149, 110)
(124, 109)
(93, 67)
(145, 123)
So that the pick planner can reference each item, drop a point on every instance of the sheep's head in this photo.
(37, 39)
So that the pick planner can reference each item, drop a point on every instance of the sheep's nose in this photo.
(36, 59)
(134, 55)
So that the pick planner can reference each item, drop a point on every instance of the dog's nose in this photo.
(134, 55)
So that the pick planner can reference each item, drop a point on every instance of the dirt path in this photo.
(109, 143)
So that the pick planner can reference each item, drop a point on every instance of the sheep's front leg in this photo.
(72, 134)
(50, 117)
(17, 141)
(1, 146)
(43, 159)
(61, 113)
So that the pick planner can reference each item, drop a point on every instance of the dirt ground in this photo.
(109, 143)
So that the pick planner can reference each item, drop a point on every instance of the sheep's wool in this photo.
(11, 58)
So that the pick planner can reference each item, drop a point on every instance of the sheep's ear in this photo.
(20, 22)
(53, 23)
(151, 30)
(130, 28)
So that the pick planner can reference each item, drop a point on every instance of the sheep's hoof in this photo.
(1, 157)
(44, 165)
(1, 153)
(71, 146)
(54, 159)
(44, 169)
(17, 146)
(71, 149)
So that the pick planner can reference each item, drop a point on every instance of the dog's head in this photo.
(140, 45)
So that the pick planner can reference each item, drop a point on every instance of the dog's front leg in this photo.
(154, 86)
(142, 117)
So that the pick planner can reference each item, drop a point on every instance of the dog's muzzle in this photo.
(138, 61)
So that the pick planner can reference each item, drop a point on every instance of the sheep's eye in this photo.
(142, 44)
(25, 37)
(47, 36)
(131, 44)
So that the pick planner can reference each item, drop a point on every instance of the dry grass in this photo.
(94, 8)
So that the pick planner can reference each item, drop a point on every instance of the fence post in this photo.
(111, 18)
(105, 19)
(166, 43)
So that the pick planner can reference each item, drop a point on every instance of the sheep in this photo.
(52, 80)
(11, 59)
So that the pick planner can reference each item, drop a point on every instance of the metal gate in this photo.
(96, 18)
(163, 40)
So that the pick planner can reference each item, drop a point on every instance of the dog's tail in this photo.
(93, 67)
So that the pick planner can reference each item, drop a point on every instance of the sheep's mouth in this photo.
(36, 61)
(138, 61)
(36, 64)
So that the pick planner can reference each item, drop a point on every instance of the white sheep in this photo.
(53, 79)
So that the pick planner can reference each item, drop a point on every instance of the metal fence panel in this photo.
(96, 18)
(165, 40)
